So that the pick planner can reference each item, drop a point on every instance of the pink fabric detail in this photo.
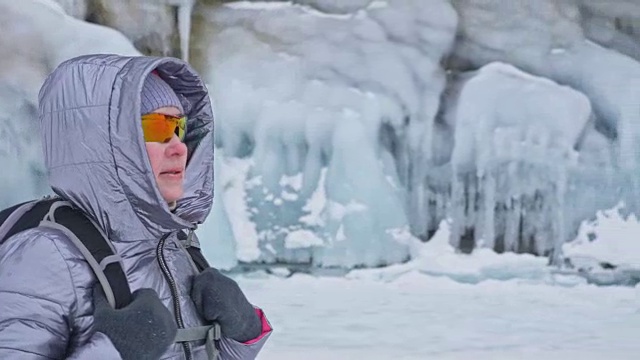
(266, 327)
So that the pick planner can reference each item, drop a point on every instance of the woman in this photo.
(128, 141)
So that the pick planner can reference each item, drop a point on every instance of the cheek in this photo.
(155, 155)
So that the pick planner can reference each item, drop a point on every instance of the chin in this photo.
(172, 195)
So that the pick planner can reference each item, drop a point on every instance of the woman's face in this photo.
(168, 162)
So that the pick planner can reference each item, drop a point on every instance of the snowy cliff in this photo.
(347, 130)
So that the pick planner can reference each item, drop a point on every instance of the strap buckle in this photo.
(214, 334)
(209, 333)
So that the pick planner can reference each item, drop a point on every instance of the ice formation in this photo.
(515, 139)
(312, 99)
(42, 36)
(346, 129)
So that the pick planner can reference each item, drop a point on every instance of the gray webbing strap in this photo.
(17, 214)
(52, 210)
(183, 248)
(97, 269)
(110, 260)
(190, 237)
(214, 334)
(209, 333)
(192, 334)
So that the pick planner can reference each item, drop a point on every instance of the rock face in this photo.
(76, 8)
(615, 25)
(151, 25)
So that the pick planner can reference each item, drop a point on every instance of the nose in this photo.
(175, 147)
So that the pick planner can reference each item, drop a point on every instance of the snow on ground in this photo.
(418, 316)
(446, 305)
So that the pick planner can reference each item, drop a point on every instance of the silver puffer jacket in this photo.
(96, 158)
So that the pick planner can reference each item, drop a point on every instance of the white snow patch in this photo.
(295, 182)
(302, 239)
(259, 5)
(609, 238)
(234, 173)
(338, 211)
(378, 4)
(316, 203)
(289, 196)
(438, 258)
(340, 236)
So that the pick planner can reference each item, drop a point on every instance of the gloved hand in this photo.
(142, 330)
(219, 298)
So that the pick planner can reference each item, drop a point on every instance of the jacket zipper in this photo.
(174, 291)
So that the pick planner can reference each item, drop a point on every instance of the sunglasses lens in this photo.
(181, 128)
(160, 127)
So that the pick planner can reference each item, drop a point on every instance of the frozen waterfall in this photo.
(346, 132)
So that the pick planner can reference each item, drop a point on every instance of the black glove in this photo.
(219, 298)
(142, 330)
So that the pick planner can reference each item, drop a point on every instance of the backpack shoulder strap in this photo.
(94, 246)
(21, 217)
(194, 252)
(198, 258)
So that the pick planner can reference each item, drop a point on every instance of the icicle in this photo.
(422, 207)
(475, 210)
(514, 219)
(429, 117)
(559, 226)
(627, 136)
(488, 233)
(512, 224)
(185, 9)
(458, 210)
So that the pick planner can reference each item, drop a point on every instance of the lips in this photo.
(173, 172)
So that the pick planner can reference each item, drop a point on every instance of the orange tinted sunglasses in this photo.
(161, 127)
